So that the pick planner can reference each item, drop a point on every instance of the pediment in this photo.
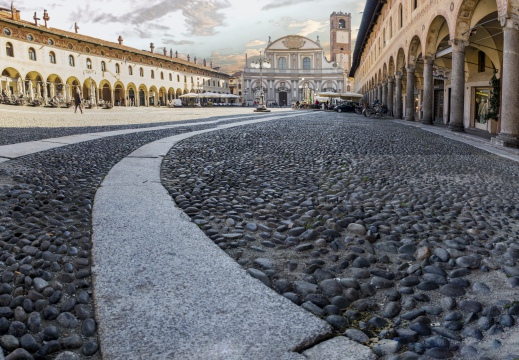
(293, 42)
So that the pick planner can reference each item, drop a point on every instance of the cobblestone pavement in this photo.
(46, 308)
(22, 124)
(399, 238)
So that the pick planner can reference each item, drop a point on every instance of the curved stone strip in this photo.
(12, 151)
(163, 290)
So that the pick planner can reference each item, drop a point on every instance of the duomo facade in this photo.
(41, 62)
(450, 61)
(298, 67)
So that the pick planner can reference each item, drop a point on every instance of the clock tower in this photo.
(340, 39)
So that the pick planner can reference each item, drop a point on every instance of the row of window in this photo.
(72, 62)
(282, 63)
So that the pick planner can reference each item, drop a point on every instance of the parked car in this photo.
(175, 103)
(346, 106)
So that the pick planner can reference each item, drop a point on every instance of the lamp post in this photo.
(261, 63)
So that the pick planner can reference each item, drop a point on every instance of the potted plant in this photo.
(493, 103)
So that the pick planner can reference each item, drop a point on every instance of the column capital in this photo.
(390, 79)
(410, 68)
(428, 59)
(398, 75)
(510, 21)
(458, 45)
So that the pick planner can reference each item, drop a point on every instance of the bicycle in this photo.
(378, 111)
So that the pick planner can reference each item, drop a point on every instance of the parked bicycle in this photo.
(377, 111)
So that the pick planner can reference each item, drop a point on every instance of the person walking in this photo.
(77, 102)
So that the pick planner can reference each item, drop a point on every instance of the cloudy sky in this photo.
(221, 31)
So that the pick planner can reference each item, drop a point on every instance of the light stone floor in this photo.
(27, 116)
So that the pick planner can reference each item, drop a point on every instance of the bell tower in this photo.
(340, 39)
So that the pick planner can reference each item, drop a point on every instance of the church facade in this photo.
(38, 61)
(299, 68)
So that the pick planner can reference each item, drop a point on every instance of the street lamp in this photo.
(261, 63)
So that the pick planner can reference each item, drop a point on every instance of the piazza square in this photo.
(183, 210)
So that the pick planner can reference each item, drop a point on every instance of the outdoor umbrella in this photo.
(189, 95)
(31, 90)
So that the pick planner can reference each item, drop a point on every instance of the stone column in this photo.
(398, 95)
(457, 85)
(383, 100)
(509, 135)
(409, 108)
(390, 86)
(379, 92)
(428, 91)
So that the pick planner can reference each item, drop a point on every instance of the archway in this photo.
(153, 96)
(143, 93)
(437, 63)
(119, 94)
(71, 86)
(131, 98)
(162, 96)
(54, 86)
(34, 85)
(483, 56)
(105, 91)
(413, 93)
(90, 91)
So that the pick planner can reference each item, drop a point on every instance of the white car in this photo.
(175, 103)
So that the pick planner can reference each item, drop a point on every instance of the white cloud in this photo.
(255, 43)
(308, 26)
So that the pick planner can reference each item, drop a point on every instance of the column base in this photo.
(456, 128)
(506, 141)
(427, 121)
(408, 118)
(261, 109)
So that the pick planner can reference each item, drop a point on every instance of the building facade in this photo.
(436, 61)
(298, 70)
(41, 62)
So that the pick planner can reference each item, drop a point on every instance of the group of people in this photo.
(316, 105)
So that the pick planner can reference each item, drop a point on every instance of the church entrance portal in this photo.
(283, 99)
